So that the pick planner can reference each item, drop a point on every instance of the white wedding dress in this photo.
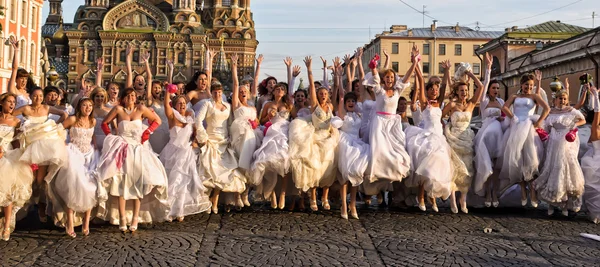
(591, 172)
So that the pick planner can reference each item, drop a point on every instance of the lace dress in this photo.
(523, 149)
(272, 159)
(75, 185)
(217, 165)
(431, 156)
(131, 170)
(313, 143)
(488, 144)
(352, 154)
(187, 194)
(460, 138)
(561, 181)
(17, 177)
(591, 172)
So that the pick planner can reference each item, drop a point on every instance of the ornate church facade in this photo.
(167, 29)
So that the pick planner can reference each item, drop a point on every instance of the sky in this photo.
(330, 28)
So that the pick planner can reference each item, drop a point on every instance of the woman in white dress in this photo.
(217, 165)
(353, 154)
(17, 84)
(101, 109)
(43, 143)
(245, 135)
(488, 143)
(589, 162)
(73, 189)
(15, 188)
(272, 159)
(133, 181)
(524, 150)
(460, 135)
(431, 158)
(561, 181)
(198, 89)
(187, 194)
(389, 160)
(312, 145)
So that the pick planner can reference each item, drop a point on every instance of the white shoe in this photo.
(495, 204)
(487, 204)
(565, 213)
(465, 210)
(550, 211)
(422, 207)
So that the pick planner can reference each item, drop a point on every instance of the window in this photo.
(395, 66)
(122, 56)
(442, 49)
(425, 67)
(425, 49)
(181, 58)
(440, 68)
(33, 18)
(475, 47)
(476, 68)
(23, 53)
(226, 3)
(13, 10)
(91, 56)
(136, 56)
(458, 50)
(24, 13)
(33, 63)
(395, 49)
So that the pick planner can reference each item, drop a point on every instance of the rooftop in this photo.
(550, 27)
(451, 32)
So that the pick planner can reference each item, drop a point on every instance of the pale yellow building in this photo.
(455, 43)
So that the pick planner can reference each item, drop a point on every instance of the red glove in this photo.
(542, 134)
(253, 123)
(171, 88)
(105, 128)
(147, 132)
(374, 62)
(571, 135)
(267, 125)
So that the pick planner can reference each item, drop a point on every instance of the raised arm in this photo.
(480, 88)
(415, 58)
(84, 91)
(418, 86)
(341, 109)
(145, 59)
(235, 100)
(295, 72)
(128, 59)
(211, 56)
(168, 108)
(349, 71)
(445, 80)
(170, 70)
(99, 71)
(12, 83)
(325, 78)
(582, 98)
(288, 66)
(361, 71)
(386, 65)
(421, 91)
(254, 89)
(538, 79)
(311, 85)
(488, 74)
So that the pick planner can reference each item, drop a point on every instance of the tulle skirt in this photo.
(590, 164)
(389, 159)
(187, 194)
(488, 148)
(15, 184)
(218, 167)
(312, 154)
(353, 159)
(430, 161)
(523, 153)
(272, 155)
(44, 144)
(75, 186)
(131, 171)
(244, 141)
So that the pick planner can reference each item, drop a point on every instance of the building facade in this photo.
(167, 29)
(436, 44)
(21, 21)
(522, 51)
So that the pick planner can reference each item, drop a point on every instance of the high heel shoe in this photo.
(354, 215)
(464, 210)
(180, 219)
(487, 204)
(422, 207)
(524, 202)
(6, 234)
(495, 204)
(215, 209)
(273, 201)
(534, 204)
(434, 207)
(550, 211)
(326, 204)
(85, 232)
(313, 205)
(133, 227)
(71, 234)
(282, 201)
(239, 203)
(123, 226)
(454, 209)
(565, 213)
(345, 216)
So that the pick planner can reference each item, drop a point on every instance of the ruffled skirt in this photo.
(389, 159)
(353, 155)
(591, 172)
(461, 142)
(15, 185)
(488, 148)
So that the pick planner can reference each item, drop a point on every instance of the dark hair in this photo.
(21, 73)
(49, 89)
(157, 82)
(137, 75)
(527, 77)
(262, 87)
(301, 91)
(123, 93)
(493, 82)
(317, 84)
(193, 83)
(350, 96)
(79, 115)
(178, 83)
(285, 98)
(353, 84)
(402, 98)
(63, 100)
(35, 88)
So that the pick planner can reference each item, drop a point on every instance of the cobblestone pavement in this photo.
(259, 236)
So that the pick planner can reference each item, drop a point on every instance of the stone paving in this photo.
(259, 236)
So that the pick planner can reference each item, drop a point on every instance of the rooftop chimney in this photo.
(457, 28)
(410, 33)
(514, 28)
(434, 25)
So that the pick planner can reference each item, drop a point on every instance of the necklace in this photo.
(129, 111)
